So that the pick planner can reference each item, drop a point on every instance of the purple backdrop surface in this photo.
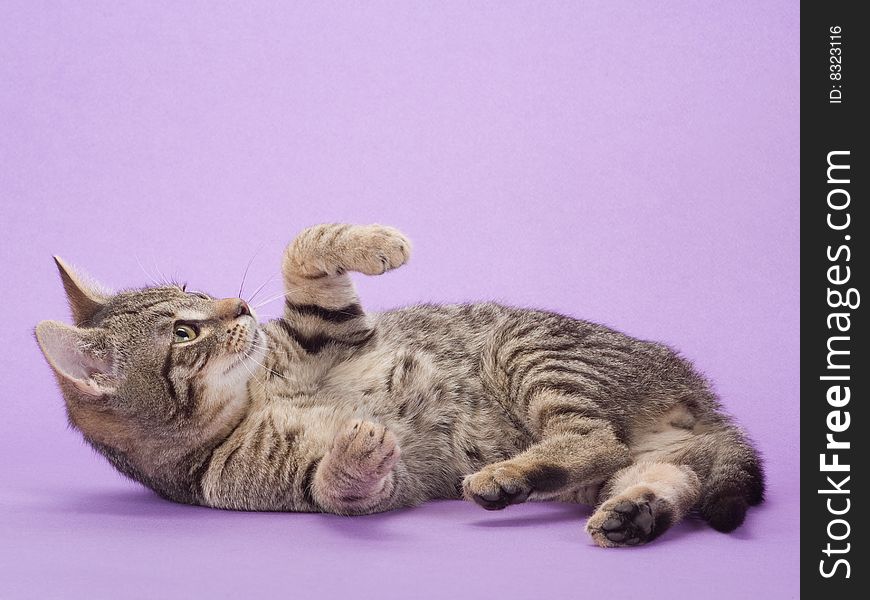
(626, 163)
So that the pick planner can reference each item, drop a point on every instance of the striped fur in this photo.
(335, 409)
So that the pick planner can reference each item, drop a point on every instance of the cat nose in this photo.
(232, 308)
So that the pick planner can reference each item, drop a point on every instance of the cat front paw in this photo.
(332, 249)
(367, 449)
(499, 485)
(357, 472)
(374, 249)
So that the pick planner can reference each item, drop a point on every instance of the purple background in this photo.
(626, 163)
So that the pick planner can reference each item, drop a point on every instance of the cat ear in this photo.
(78, 356)
(85, 296)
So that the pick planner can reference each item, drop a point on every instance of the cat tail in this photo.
(735, 482)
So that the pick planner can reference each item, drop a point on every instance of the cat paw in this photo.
(368, 449)
(374, 249)
(496, 486)
(624, 522)
(357, 471)
(501, 484)
(332, 249)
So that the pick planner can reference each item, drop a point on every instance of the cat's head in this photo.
(140, 365)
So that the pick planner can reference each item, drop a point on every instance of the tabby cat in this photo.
(334, 409)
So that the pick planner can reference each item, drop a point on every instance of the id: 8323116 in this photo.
(835, 64)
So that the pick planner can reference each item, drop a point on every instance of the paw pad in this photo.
(628, 522)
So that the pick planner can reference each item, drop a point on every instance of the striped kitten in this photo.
(338, 410)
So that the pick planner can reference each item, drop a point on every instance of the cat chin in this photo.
(237, 369)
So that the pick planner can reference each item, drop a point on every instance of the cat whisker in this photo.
(248, 266)
(150, 277)
(257, 346)
(248, 355)
(288, 293)
(259, 289)
(285, 294)
(264, 367)
(163, 279)
(264, 347)
(248, 369)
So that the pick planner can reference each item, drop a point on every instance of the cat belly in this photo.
(664, 439)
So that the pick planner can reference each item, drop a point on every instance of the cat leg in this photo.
(301, 465)
(321, 305)
(575, 449)
(357, 475)
(643, 501)
(316, 263)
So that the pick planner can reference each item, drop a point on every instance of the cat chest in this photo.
(304, 383)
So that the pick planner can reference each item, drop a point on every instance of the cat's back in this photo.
(505, 348)
(442, 328)
(456, 329)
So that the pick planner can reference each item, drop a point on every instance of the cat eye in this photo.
(183, 333)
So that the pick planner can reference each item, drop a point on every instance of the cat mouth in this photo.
(251, 355)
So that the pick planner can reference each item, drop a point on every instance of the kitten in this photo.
(338, 410)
